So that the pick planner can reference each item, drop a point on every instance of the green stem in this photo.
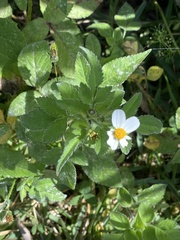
(29, 11)
(171, 93)
(68, 237)
(167, 27)
(10, 192)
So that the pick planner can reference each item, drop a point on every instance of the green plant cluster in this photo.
(60, 83)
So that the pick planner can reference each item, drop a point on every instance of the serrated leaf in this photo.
(124, 197)
(104, 29)
(68, 91)
(23, 103)
(74, 106)
(68, 175)
(177, 118)
(93, 44)
(69, 149)
(131, 107)
(85, 94)
(117, 71)
(36, 120)
(152, 195)
(46, 190)
(83, 9)
(55, 130)
(94, 77)
(82, 69)
(68, 39)
(12, 41)
(119, 221)
(36, 25)
(102, 170)
(50, 106)
(149, 125)
(14, 165)
(35, 64)
(5, 9)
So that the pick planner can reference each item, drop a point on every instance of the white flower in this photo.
(122, 127)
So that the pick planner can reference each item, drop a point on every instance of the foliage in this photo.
(60, 82)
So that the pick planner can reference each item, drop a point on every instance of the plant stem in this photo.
(29, 11)
(171, 93)
(10, 192)
(167, 27)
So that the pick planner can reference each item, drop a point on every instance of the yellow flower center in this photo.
(119, 133)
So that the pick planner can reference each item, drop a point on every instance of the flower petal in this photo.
(123, 142)
(118, 118)
(112, 141)
(131, 124)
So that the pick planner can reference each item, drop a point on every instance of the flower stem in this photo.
(29, 11)
(167, 27)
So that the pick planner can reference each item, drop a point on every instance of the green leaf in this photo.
(160, 234)
(55, 11)
(167, 224)
(152, 195)
(124, 198)
(74, 106)
(50, 106)
(130, 235)
(46, 190)
(5, 132)
(35, 64)
(119, 221)
(79, 158)
(83, 9)
(176, 157)
(25, 102)
(36, 25)
(85, 94)
(5, 9)
(177, 118)
(12, 41)
(68, 91)
(68, 39)
(55, 130)
(82, 69)
(174, 234)
(146, 212)
(131, 107)
(36, 120)
(149, 233)
(117, 71)
(112, 236)
(22, 4)
(69, 149)
(14, 165)
(104, 29)
(94, 77)
(68, 175)
(102, 169)
(149, 125)
(93, 44)
(125, 17)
